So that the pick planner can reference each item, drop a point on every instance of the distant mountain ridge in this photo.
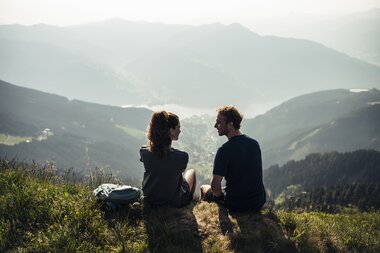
(336, 120)
(117, 62)
(71, 133)
(357, 34)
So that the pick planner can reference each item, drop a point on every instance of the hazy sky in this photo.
(69, 12)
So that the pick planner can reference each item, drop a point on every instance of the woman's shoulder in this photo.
(179, 153)
(144, 150)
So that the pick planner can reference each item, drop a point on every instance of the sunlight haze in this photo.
(217, 68)
(195, 12)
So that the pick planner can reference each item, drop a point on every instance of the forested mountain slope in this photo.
(45, 127)
(333, 120)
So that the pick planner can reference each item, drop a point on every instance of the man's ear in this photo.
(230, 125)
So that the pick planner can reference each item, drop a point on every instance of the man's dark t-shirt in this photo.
(163, 177)
(239, 161)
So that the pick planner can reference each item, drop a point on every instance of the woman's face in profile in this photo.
(174, 132)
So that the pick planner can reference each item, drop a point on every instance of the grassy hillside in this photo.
(43, 211)
(40, 126)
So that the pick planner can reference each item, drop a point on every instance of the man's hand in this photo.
(216, 185)
(209, 196)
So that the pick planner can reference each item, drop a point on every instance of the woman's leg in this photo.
(190, 178)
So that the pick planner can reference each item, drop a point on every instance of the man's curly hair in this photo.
(231, 114)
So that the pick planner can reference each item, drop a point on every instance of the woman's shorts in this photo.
(185, 194)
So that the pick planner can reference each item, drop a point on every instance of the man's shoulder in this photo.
(224, 146)
(247, 139)
(241, 140)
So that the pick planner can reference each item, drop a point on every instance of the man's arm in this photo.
(216, 185)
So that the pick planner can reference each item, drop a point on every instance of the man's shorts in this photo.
(254, 206)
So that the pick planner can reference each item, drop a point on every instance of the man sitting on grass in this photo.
(239, 162)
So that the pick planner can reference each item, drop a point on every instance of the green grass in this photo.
(11, 140)
(321, 232)
(44, 215)
(132, 131)
(44, 211)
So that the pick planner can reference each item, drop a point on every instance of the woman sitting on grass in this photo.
(163, 182)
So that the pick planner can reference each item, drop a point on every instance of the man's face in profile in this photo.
(221, 125)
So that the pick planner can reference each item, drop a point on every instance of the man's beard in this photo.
(224, 132)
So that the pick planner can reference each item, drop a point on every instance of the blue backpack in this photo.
(116, 197)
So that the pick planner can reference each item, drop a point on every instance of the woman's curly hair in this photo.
(159, 139)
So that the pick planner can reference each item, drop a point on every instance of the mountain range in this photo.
(118, 62)
(333, 120)
(46, 127)
(357, 34)
(43, 127)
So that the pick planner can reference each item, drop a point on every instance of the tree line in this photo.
(332, 199)
(328, 182)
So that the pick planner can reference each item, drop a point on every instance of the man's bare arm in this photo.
(216, 185)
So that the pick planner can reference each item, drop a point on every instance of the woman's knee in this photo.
(190, 175)
(190, 172)
(203, 189)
